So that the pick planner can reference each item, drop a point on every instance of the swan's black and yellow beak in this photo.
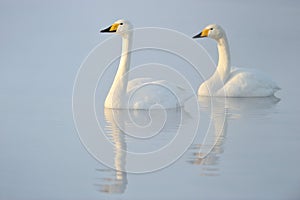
(204, 33)
(113, 28)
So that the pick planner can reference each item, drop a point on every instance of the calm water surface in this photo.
(256, 142)
(241, 162)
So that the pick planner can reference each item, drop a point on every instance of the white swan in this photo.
(237, 82)
(141, 93)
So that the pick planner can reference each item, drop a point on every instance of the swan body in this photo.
(140, 93)
(233, 82)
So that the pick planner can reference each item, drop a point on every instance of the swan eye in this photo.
(211, 29)
(121, 23)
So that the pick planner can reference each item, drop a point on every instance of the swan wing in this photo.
(138, 82)
(146, 92)
(249, 83)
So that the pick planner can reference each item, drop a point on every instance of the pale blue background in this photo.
(42, 44)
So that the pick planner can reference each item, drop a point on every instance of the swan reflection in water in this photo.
(138, 131)
(220, 111)
(118, 183)
(125, 128)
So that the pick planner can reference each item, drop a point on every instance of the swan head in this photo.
(120, 27)
(213, 31)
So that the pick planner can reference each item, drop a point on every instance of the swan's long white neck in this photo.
(223, 68)
(118, 89)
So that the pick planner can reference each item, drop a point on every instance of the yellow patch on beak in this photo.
(114, 27)
(204, 33)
